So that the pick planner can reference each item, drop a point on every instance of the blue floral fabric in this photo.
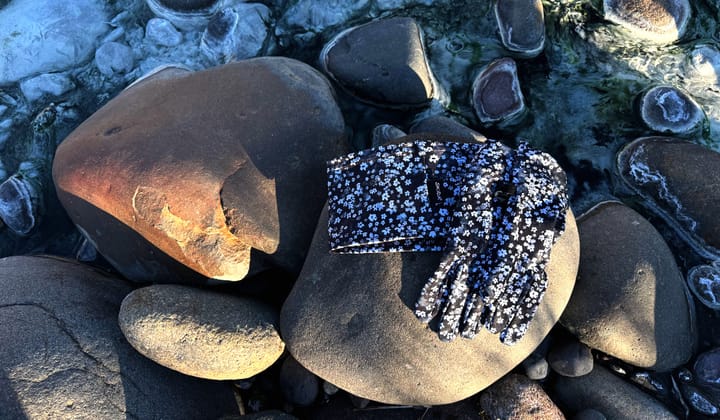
(495, 212)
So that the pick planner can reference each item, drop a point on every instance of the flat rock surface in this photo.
(608, 394)
(517, 397)
(64, 355)
(382, 62)
(201, 333)
(349, 319)
(679, 179)
(201, 168)
(630, 300)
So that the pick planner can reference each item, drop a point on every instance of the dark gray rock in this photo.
(657, 21)
(496, 94)
(667, 109)
(113, 58)
(536, 367)
(707, 368)
(570, 357)
(517, 397)
(384, 133)
(704, 282)
(678, 181)
(522, 26)
(299, 385)
(381, 62)
(589, 414)
(439, 124)
(630, 300)
(349, 319)
(64, 355)
(613, 397)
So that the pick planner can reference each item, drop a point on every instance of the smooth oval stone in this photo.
(610, 395)
(698, 401)
(18, 205)
(496, 94)
(517, 397)
(667, 109)
(201, 333)
(179, 178)
(522, 26)
(162, 32)
(349, 319)
(704, 282)
(703, 65)
(677, 179)
(707, 368)
(381, 62)
(570, 358)
(64, 355)
(657, 21)
(114, 58)
(630, 300)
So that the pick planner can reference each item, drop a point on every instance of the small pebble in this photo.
(384, 133)
(50, 84)
(299, 385)
(570, 358)
(707, 368)
(704, 282)
(114, 58)
(496, 94)
(536, 367)
(667, 109)
(162, 32)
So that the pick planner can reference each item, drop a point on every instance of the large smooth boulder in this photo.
(630, 300)
(349, 319)
(201, 333)
(64, 355)
(185, 175)
(657, 21)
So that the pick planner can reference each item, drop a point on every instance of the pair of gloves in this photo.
(493, 211)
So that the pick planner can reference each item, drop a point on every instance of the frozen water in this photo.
(51, 84)
(704, 282)
(318, 15)
(114, 57)
(162, 32)
(39, 36)
(236, 33)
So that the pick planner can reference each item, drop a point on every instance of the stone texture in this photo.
(613, 397)
(707, 368)
(381, 62)
(630, 300)
(658, 21)
(517, 397)
(439, 124)
(178, 178)
(383, 133)
(570, 358)
(299, 385)
(667, 109)
(201, 333)
(64, 355)
(677, 179)
(704, 282)
(349, 319)
(522, 26)
(496, 94)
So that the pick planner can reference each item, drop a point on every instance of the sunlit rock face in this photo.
(522, 26)
(186, 175)
(678, 180)
(657, 21)
(496, 94)
(45, 35)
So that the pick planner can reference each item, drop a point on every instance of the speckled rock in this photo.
(667, 109)
(299, 385)
(349, 319)
(439, 124)
(522, 26)
(570, 358)
(496, 94)
(180, 178)
(201, 333)
(517, 397)
(613, 397)
(64, 355)
(630, 300)
(381, 62)
(657, 21)
(665, 172)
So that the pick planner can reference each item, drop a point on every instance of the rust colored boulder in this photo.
(186, 177)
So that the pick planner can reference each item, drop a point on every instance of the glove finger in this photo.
(453, 308)
(434, 291)
(526, 312)
(503, 310)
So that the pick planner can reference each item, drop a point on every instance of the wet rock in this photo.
(46, 36)
(658, 21)
(522, 26)
(161, 32)
(179, 178)
(349, 319)
(704, 282)
(703, 65)
(698, 400)
(630, 300)
(589, 414)
(570, 358)
(50, 84)
(114, 58)
(298, 384)
(201, 333)
(439, 124)
(496, 94)
(666, 109)
(707, 368)
(536, 367)
(381, 62)
(517, 397)
(187, 15)
(236, 33)
(64, 355)
(383, 133)
(665, 172)
(314, 16)
(605, 392)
